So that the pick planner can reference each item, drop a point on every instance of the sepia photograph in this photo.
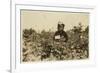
(54, 35)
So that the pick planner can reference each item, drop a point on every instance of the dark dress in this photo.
(60, 35)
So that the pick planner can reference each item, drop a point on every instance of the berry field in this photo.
(41, 47)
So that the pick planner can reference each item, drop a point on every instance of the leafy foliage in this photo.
(41, 47)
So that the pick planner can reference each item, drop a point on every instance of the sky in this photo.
(48, 20)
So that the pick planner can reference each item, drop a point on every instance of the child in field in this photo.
(60, 35)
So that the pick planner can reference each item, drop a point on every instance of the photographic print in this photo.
(51, 36)
(54, 35)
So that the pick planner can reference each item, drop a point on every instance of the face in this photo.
(60, 28)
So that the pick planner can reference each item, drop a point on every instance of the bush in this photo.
(40, 46)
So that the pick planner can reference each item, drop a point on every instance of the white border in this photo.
(15, 59)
